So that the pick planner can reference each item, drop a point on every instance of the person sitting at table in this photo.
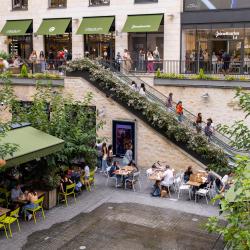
(31, 197)
(113, 168)
(156, 189)
(226, 180)
(187, 174)
(168, 178)
(16, 192)
(64, 182)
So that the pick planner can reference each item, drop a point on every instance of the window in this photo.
(19, 4)
(99, 2)
(57, 3)
(146, 1)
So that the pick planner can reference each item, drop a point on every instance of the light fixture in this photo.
(170, 16)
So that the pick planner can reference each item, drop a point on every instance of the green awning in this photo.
(231, 195)
(95, 25)
(16, 27)
(53, 26)
(32, 143)
(143, 23)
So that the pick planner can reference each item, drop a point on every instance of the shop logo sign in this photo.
(141, 26)
(94, 29)
(13, 31)
(51, 29)
(234, 34)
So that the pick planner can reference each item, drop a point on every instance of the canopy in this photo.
(53, 26)
(95, 25)
(32, 143)
(143, 23)
(231, 195)
(16, 27)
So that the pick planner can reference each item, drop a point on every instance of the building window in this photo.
(146, 1)
(57, 3)
(19, 4)
(99, 2)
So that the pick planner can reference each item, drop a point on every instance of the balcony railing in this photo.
(19, 4)
(99, 2)
(57, 3)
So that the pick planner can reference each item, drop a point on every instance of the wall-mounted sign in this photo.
(233, 34)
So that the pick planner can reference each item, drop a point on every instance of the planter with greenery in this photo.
(201, 80)
(152, 113)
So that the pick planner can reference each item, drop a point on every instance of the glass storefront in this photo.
(206, 46)
(198, 5)
(20, 45)
(100, 45)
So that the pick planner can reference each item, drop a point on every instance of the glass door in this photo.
(235, 49)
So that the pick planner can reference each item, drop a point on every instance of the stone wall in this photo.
(150, 145)
(220, 104)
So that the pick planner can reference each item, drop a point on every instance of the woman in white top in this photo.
(142, 90)
(128, 157)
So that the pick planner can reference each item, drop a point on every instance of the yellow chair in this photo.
(39, 204)
(3, 225)
(70, 190)
(11, 219)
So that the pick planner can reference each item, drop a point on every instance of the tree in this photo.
(236, 232)
(57, 114)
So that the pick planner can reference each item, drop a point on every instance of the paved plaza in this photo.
(109, 218)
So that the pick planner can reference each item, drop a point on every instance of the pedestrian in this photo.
(226, 62)
(118, 61)
(142, 90)
(179, 111)
(33, 60)
(169, 101)
(99, 154)
(104, 157)
(141, 60)
(134, 86)
(198, 123)
(128, 157)
(110, 155)
(42, 61)
(209, 130)
(150, 63)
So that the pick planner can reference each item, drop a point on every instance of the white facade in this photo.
(76, 9)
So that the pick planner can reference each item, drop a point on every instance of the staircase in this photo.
(154, 95)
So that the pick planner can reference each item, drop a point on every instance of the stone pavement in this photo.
(89, 201)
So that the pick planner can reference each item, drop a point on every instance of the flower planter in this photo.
(225, 84)
(50, 199)
(32, 82)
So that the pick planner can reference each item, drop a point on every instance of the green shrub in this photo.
(158, 73)
(24, 71)
(230, 78)
(243, 78)
(4, 55)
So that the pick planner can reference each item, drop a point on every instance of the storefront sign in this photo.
(93, 29)
(233, 34)
(141, 26)
(13, 31)
(51, 29)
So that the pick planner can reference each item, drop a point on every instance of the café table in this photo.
(4, 211)
(122, 172)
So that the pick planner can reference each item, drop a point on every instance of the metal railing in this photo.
(154, 95)
(186, 66)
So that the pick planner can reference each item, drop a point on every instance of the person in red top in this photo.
(179, 111)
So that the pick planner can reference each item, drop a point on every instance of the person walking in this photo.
(209, 129)
(134, 86)
(33, 60)
(198, 123)
(169, 102)
(142, 90)
(150, 63)
(118, 61)
(104, 157)
(42, 61)
(179, 111)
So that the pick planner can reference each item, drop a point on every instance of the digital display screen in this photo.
(193, 5)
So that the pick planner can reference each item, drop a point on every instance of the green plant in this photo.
(230, 78)
(4, 55)
(243, 78)
(24, 71)
(153, 112)
(158, 73)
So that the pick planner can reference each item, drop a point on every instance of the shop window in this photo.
(19, 4)
(99, 2)
(57, 3)
(146, 1)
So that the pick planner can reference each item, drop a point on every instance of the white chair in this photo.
(182, 187)
(114, 178)
(134, 180)
(106, 172)
(204, 192)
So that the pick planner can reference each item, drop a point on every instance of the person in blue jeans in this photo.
(31, 198)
